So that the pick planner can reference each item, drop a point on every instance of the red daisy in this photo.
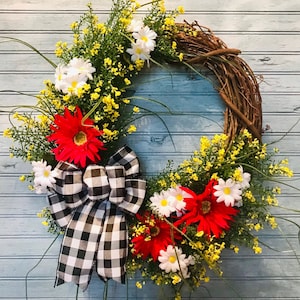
(156, 236)
(77, 140)
(212, 217)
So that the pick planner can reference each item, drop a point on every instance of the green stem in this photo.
(39, 261)
(31, 47)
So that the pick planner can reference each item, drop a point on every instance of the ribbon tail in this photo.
(80, 245)
(113, 245)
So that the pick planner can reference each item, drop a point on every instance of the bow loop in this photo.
(69, 184)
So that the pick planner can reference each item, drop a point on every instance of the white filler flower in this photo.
(43, 176)
(228, 191)
(162, 203)
(173, 260)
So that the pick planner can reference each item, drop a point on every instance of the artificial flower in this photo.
(69, 78)
(178, 196)
(135, 25)
(80, 66)
(151, 236)
(44, 176)
(60, 75)
(212, 217)
(246, 177)
(72, 83)
(137, 52)
(163, 203)
(228, 191)
(77, 140)
(146, 38)
(173, 260)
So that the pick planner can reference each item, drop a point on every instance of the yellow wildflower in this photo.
(101, 27)
(131, 129)
(180, 9)
(180, 56)
(7, 133)
(127, 81)
(22, 178)
(45, 223)
(257, 227)
(74, 25)
(175, 279)
(94, 96)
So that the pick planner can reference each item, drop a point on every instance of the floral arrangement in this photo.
(188, 214)
(217, 199)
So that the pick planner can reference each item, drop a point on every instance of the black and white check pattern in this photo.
(91, 205)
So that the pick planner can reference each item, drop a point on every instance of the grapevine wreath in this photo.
(183, 217)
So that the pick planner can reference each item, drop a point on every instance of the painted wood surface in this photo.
(266, 31)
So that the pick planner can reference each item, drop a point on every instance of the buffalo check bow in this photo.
(91, 206)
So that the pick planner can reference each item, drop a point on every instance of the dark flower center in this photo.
(206, 206)
(80, 138)
(154, 231)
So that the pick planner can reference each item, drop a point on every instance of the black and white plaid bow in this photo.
(91, 205)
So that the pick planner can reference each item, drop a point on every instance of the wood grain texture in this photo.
(267, 32)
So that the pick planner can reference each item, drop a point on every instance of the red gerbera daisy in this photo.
(155, 236)
(212, 217)
(77, 140)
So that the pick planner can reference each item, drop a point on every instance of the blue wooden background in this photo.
(266, 31)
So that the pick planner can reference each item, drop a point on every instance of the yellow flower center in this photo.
(145, 39)
(46, 173)
(138, 51)
(172, 259)
(74, 84)
(164, 202)
(227, 190)
(179, 197)
(80, 138)
(206, 206)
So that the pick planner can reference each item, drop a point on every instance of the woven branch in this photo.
(237, 84)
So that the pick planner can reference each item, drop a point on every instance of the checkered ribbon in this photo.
(91, 205)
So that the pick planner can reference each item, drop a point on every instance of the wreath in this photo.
(180, 223)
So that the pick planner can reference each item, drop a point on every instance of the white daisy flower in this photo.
(173, 260)
(79, 66)
(178, 195)
(146, 37)
(246, 178)
(71, 84)
(135, 25)
(162, 203)
(228, 191)
(60, 75)
(43, 176)
(138, 52)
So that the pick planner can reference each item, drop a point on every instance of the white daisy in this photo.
(137, 52)
(228, 191)
(72, 84)
(43, 176)
(79, 66)
(60, 75)
(246, 178)
(135, 25)
(173, 260)
(163, 203)
(146, 37)
(178, 194)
